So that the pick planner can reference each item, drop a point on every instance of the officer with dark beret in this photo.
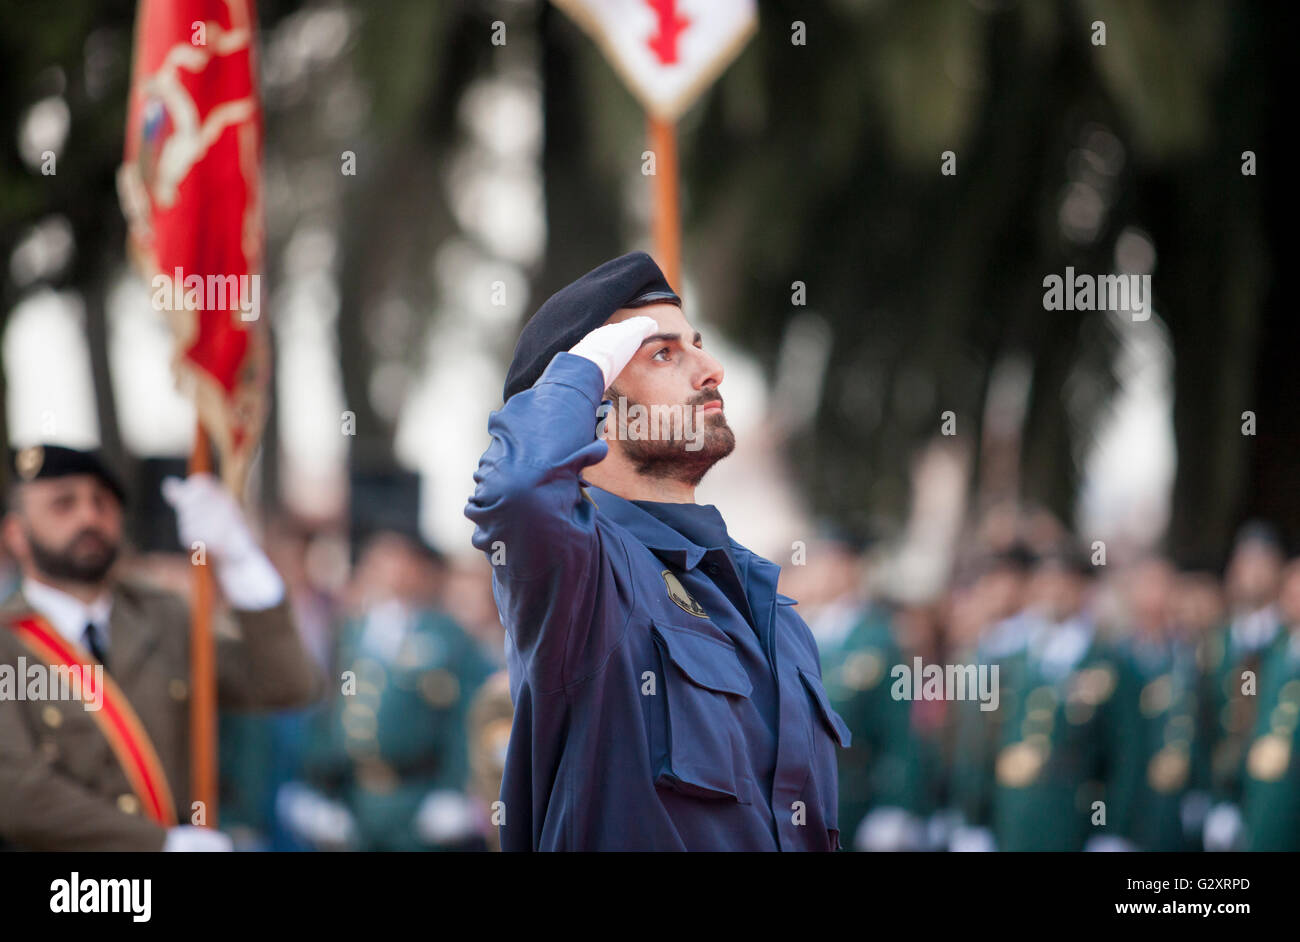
(103, 764)
(666, 696)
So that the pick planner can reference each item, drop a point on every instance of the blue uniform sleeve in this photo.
(531, 518)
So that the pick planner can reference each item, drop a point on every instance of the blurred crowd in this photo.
(1138, 704)
(1141, 705)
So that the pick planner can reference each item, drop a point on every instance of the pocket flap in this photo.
(832, 719)
(708, 663)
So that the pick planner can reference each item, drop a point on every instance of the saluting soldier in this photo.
(1232, 658)
(110, 771)
(1066, 728)
(1271, 793)
(667, 697)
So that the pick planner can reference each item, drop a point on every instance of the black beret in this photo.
(631, 280)
(39, 462)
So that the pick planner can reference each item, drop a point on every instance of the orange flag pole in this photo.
(666, 213)
(203, 674)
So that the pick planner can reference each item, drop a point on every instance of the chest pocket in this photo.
(836, 726)
(702, 750)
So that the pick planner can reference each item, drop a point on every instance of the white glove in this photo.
(207, 513)
(1222, 826)
(1108, 843)
(971, 840)
(320, 821)
(888, 829)
(446, 817)
(187, 838)
(611, 347)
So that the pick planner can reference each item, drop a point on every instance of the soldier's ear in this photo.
(11, 531)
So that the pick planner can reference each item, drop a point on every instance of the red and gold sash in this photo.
(116, 720)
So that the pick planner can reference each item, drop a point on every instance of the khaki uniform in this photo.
(62, 788)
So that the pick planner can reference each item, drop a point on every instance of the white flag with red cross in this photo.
(667, 51)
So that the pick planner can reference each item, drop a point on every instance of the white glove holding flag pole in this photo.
(611, 347)
(187, 838)
(207, 513)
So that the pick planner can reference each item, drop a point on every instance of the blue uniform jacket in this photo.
(649, 714)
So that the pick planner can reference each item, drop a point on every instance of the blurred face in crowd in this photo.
(1197, 603)
(65, 530)
(469, 597)
(1056, 592)
(671, 369)
(1289, 597)
(1002, 591)
(968, 614)
(1150, 586)
(392, 568)
(1253, 575)
(839, 573)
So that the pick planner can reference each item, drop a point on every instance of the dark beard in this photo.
(669, 459)
(87, 566)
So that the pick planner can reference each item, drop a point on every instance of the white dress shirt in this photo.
(67, 614)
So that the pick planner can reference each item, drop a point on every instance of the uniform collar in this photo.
(68, 615)
(658, 537)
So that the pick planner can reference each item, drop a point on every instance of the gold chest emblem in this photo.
(1167, 770)
(1018, 764)
(681, 598)
(1269, 757)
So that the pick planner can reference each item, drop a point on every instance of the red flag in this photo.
(190, 185)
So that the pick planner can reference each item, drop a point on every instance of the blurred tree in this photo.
(817, 163)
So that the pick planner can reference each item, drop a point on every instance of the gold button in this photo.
(52, 717)
(440, 688)
(128, 804)
(178, 689)
(50, 750)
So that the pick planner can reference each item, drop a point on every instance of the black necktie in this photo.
(95, 641)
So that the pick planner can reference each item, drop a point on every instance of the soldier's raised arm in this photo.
(530, 516)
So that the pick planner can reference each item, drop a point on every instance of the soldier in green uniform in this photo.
(388, 766)
(1271, 791)
(994, 604)
(1064, 780)
(881, 796)
(1163, 662)
(1232, 658)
